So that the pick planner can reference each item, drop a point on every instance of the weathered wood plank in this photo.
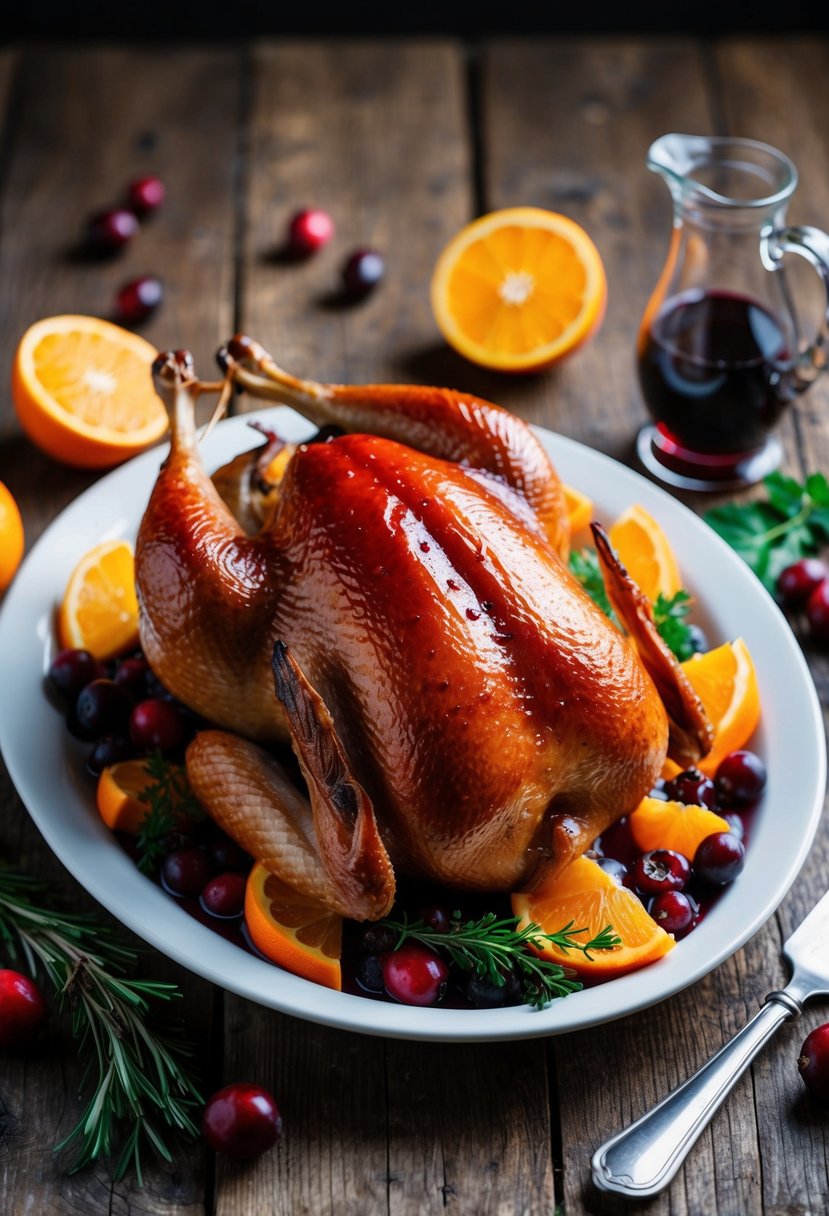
(779, 94)
(375, 134)
(86, 123)
(567, 127)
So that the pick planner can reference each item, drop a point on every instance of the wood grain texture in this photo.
(86, 123)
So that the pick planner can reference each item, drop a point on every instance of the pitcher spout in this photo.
(722, 171)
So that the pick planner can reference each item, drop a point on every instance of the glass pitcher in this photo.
(719, 352)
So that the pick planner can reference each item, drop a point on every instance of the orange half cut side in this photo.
(296, 932)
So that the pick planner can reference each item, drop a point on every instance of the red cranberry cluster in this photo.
(312, 228)
(22, 1009)
(109, 231)
(674, 887)
(804, 586)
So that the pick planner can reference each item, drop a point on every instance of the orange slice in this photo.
(588, 897)
(517, 290)
(292, 930)
(83, 391)
(579, 509)
(118, 796)
(726, 682)
(645, 552)
(11, 537)
(656, 824)
(99, 610)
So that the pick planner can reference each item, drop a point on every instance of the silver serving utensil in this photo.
(641, 1160)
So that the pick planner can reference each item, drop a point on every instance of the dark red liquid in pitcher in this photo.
(716, 372)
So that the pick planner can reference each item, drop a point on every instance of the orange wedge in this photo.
(296, 932)
(517, 290)
(656, 824)
(645, 552)
(726, 682)
(11, 537)
(118, 796)
(83, 391)
(579, 509)
(99, 610)
(585, 896)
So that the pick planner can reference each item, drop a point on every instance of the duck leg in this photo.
(690, 732)
(495, 446)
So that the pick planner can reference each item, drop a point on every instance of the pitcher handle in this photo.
(813, 245)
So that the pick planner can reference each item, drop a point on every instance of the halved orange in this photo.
(11, 537)
(118, 795)
(579, 509)
(292, 930)
(645, 552)
(518, 289)
(725, 681)
(656, 824)
(586, 896)
(83, 391)
(99, 610)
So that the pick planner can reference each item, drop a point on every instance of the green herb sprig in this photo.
(492, 948)
(669, 613)
(137, 1066)
(769, 534)
(169, 799)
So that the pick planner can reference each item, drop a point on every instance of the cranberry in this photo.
(185, 871)
(22, 1009)
(224, 895)
(817, 611)
(71, 670)
(111, 749)
(741, 777)
(813, 1062)
(797, 582)
(361, 272)
(661, 870)
(378, 939)
(138, 298)
(156, 724)
(483, 994)
(693, 788)
(415, 975)
(227, 855)
(241, 1121)
(675, 912)
(131, 674)
(369, 973)
(719, 859)
(309, 230)
(110, 230)
(436, 918)
(102, 708)
(145, 194)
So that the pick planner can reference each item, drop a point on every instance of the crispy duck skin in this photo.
(461, 710)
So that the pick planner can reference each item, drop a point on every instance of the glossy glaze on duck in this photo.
(461, 710)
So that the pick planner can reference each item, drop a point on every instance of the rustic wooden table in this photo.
(402, 143)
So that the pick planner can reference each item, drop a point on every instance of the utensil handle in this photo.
(641, 1160)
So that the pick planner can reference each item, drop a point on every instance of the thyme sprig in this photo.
(493, 948)
(169, 799)
(137, 1067)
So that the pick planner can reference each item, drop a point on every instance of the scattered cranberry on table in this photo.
(309, 230)
(361, 273)
(145, 194)
(415, 975)
(719, 859)
(22, 1009)
(241, 1121)
(813, 1062)
(797, 582)
(110, 230)
(137, 299)
(817, 611)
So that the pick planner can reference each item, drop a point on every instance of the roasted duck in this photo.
(403, 614)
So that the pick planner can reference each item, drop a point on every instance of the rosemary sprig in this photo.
(492, 948)
(137, 1070)
(169, 799)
